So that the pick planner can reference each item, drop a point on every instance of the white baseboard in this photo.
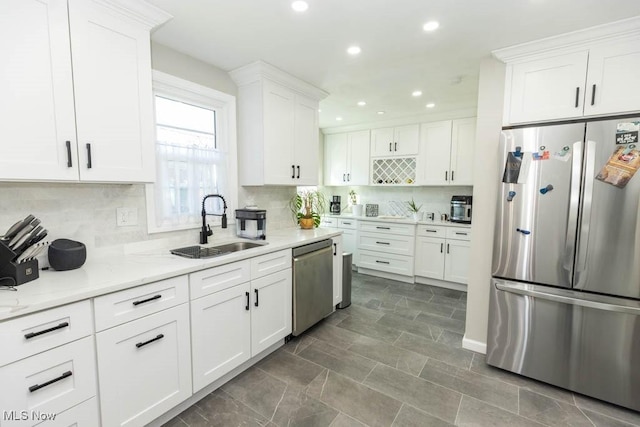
(473, 345)
(385, 275)
(441, 283)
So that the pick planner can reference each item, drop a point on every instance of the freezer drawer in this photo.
(583, 342)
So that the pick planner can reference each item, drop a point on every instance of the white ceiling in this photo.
(397, 56)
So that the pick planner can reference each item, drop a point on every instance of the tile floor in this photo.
(393, 358)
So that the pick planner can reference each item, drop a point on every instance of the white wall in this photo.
(485, 189)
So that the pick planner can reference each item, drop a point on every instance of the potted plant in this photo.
(356, 209)
(414, 209)
(306, 207)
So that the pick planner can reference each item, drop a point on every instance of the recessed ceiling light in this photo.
(431, 105)
(299, 6)
(338, 118)
(416, 93)
(431, 25)
(380, 112)
(319, 110)
(354, 50)
(362, 103)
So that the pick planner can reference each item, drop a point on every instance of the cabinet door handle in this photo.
(348, 177)
(142, 301)
(142, 344)
(46, 331)
(344, 177)
(383, 243)
(383, 228)
(293, 171)
(452, 172)
(55, 380)
(390, 147)
(246, 307)
(395, 146)
(447, 248)
(335, 249)
(69, 164)
(441, 247)
(577, 96)
(382, 262)
(257, 301)
(88, 156)
(298, 167)
(593, 94)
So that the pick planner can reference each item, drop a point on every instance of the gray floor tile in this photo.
(220, 409)
(336, 317)
(447, 323)
(412, 417)
(454, 356)
(459, 314)
(290, 367)
(600, 420)
(362, 313)
(339, 360)
(193, 418)
(338, 337)
(445, 292)
(605, 408)
(487, 389)
(343, 420)
(372, 330)
(429, 307)
(396, 357)
(402, 324)
(257, 389)
(449, 302)
(297, 409)
(299, 343)
(449, 338)
(429, 397)
(358, 401)
(175, 422)
(480, 366)
(475, 413)
(550, 411)
(420, 294)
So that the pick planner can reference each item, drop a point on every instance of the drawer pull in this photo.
(461, 234)
(382, 262)
(383, 228)
(346, 223)
(45, 331)
(431, 231)
(383, 243)
(55, 380)
(142, 301)
(142, 344)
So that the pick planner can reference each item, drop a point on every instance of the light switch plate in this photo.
(126, 217)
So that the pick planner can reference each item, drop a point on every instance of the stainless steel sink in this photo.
(213, 251)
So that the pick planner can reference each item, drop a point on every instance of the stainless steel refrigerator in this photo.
(565, 293)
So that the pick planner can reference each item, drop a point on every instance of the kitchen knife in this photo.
(18, 237)
(38, 250)
(33, 233)
(27, 253)
(39, 237)
(11, 231)
(21, 241)
(16, 229)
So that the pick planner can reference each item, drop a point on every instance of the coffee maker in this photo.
(334, 205)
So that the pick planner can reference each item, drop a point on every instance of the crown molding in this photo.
(573, 41)
(147, 14)
(258, 70)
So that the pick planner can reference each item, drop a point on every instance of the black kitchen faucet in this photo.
(206, 229)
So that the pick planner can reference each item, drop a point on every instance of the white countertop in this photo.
(114, 272)
(401, 220)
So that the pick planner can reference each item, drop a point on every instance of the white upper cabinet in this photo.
(446, 152)
(278, 134)
(105, 91)
(592, 72)
(398, 141)
(346, 158)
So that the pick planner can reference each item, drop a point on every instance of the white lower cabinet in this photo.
(271, 311)
(445, 257)
(456, 266)
(429, 257)
(220, 333)
(47, 383)
(386, 246)
(337, 269)
(144, 367)
(83, 415)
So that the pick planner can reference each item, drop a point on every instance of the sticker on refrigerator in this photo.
(627, 133)
(564, 154)
(621, 166)
(516, 167)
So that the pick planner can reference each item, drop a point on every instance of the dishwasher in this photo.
(312, 284)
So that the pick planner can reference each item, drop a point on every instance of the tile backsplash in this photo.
(87, 212)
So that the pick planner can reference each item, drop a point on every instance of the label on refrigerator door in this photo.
(627, 132)
(516, 168)
(621, 166)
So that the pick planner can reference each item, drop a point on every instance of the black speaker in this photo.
(65, 254)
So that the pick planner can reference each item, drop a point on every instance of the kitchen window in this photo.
(195, 153)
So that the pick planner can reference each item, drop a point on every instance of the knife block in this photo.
(21, 273)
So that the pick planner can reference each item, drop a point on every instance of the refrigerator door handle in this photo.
(599, 302)
(574, 204)
(585, 217)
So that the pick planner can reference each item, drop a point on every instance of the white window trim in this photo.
(225, 105)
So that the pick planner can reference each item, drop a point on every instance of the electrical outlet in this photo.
(126, 217)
